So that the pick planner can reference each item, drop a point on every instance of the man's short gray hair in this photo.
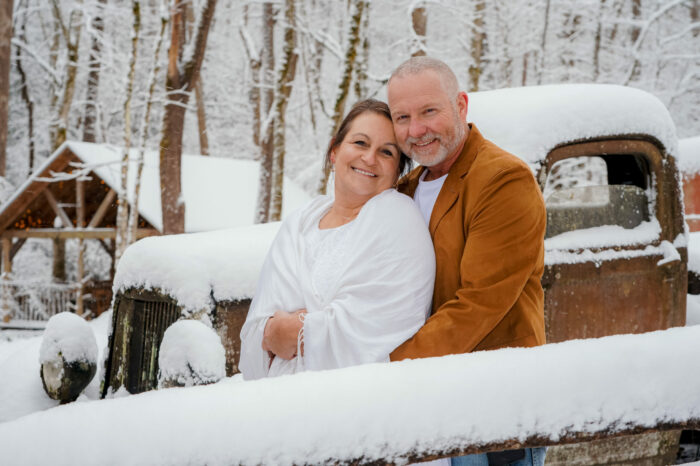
(415, 65)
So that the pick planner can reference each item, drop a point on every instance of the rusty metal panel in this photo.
(627, 295)
(229, 317)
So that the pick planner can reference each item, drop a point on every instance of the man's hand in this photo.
(281, 333)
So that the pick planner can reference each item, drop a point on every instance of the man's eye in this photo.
(430, 110)
(401, 118)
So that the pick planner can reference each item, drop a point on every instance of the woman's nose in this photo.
(369, 157)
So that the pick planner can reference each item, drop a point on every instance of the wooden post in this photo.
(6, 271)
(80, 201)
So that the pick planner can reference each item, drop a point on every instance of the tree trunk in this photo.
(5, 58)
(419, 19)
(123, 199)
(361, 90)
(543, 44)
(180, 83)
(266, 136)
(28, 101)
(71, 34)
(201, 119)
(93, 79)
(282, 93)
(344, 87)
(477, 48)
(134, 212)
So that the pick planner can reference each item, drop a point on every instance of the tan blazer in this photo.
(488, 228)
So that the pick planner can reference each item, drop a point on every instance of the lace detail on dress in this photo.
(327, 252)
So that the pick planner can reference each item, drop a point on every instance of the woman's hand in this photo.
(282, 332)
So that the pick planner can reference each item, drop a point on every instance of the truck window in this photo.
(590, 191)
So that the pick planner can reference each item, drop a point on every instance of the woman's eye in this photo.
(360, 143)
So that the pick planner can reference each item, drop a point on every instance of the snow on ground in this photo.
(377, 410)
(21, 391)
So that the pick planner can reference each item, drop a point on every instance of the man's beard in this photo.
(445, 149)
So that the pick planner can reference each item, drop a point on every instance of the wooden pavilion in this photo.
(63, 199)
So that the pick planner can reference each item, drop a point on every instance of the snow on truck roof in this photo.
(531, 121)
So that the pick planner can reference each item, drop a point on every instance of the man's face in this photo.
(429, 126)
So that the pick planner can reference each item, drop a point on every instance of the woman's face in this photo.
(367, 160)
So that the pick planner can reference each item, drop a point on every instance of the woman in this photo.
(352, 274)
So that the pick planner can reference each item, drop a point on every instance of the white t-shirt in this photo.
(426, 194)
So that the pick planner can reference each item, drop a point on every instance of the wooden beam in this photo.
(80, 200)
(58, 210)
(16, 246)
(108, 248)
(85, 233)
(102, 209)
(6, 261)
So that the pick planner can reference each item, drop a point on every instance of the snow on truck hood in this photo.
(531, 121)
(191, 268)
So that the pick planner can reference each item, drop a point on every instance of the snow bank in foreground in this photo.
(188, 267)
(191, 354)
(70, 336)
(379, 410)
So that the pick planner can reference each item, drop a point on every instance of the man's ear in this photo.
(462, 105)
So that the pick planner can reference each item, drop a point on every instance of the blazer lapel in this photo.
(450, 190)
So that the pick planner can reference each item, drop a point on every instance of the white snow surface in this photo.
(21, 391)
(531, 121)
(191, 353)
(189, 267)
(378, 410)
(218, 192)
(694, 251)
(70, 336)
(689, 155)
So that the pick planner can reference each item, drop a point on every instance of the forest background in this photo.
(270, 80)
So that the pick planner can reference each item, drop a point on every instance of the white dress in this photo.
(367, 286)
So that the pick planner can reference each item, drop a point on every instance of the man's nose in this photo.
(416, 129)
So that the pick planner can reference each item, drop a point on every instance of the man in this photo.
(486, 217)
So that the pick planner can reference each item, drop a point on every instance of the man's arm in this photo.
(503, 252)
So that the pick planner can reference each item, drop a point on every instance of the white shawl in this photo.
(381, 299)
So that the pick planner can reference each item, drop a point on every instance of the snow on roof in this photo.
(218, 192)
(530, 121)
(189, 267)
(689, 155)
(378, 411)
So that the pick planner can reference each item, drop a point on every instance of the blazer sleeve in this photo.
(503, 250)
